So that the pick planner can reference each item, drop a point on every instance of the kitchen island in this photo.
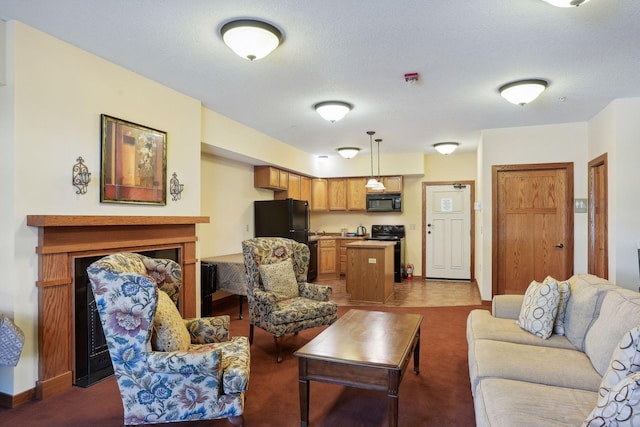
(370, 270)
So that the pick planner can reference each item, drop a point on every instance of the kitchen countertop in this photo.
(336, 237)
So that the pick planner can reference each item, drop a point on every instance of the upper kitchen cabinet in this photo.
(337, 199)
(293, 190)
(270, 178)
(319, 195)
(356, 194)
(393, 184)
(305, 188)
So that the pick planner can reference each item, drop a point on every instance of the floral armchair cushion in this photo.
(207, 380)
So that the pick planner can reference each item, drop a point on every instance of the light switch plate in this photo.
(372, 261)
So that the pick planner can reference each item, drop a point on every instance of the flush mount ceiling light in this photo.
(348, 152)
(446, 147)
(523, 91)
(333, 111)
(566, 3)
(251, 39)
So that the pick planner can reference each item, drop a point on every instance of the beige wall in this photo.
(51, 110)
(532, 144)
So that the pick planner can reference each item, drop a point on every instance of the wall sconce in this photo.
(175, 188)
(81, 176)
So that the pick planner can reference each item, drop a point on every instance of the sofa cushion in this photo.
(583, 307)
(565, 293)
(539, 308)
(620, 312)
(482, 325)
(625, 361)
(280, 279)
(620, 407)
(506, 403)
(534, 363)
(169, 330)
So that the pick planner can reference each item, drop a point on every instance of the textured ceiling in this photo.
(359, 51)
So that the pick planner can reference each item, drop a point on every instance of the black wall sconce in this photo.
(175, 188)
(81, 176)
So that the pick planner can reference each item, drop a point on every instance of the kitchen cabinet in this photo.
(305, 188)
(393, 184)
(319, 194)
(343, 254)
(356, 194)
(370, 270)
(270, 178)
(327, 259)
(292, 191)
(337, 194)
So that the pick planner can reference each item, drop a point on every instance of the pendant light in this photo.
(380, 185)
(372, 183)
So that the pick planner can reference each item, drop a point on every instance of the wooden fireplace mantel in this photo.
(61, 239)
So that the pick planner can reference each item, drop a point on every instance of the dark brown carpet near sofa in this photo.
(439, 396)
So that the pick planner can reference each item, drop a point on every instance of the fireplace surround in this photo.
(62, 239)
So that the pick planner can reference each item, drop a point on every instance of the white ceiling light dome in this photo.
(566, 3)
(446, 147)
(522, 92)
(348, 152)
(251, 39)
(333, 111)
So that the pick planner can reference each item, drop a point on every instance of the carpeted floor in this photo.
(439, 396)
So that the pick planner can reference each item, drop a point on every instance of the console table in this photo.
(230, 275)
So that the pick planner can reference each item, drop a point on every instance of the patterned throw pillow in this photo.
(280, 279)
(539, 308)
(169, 331)
(620, 407)
(565, 293)
(624, 361)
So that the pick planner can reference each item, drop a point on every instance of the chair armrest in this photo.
(237, 364)
(314, 291)
(507, 306)
(201, 360)
(268, 299)
(207, 330)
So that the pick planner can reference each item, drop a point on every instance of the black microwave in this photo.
(384, 202)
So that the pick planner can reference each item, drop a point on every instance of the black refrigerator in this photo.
(282, 218)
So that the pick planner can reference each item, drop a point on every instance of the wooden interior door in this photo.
(598, 218)
(532, 225)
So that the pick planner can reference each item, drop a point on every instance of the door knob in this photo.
(560, 245)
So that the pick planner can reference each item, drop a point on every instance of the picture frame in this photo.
(134, 163)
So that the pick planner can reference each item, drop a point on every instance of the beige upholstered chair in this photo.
(279, 298)
(168, 369)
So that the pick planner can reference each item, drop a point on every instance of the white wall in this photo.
(51, 110)
(524, 145)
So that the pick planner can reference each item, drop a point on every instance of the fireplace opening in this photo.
(93, 362)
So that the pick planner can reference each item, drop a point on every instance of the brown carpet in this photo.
(439, 396)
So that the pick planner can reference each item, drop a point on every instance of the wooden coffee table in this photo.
(365, 349)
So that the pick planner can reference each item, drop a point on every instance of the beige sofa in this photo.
(519, 379)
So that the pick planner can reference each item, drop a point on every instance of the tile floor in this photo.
(416, 293)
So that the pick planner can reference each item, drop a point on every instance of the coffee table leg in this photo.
(416, 355)
(303, 385)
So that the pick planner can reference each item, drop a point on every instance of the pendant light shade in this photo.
(251, 39)
(372, 182)
(348, 152)
(446, 147)
(522, 92)
(332, 111)
(566, 3)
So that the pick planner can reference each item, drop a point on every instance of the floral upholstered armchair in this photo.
(279, 298)
(168, 369)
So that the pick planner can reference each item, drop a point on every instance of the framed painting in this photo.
(134, 163)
